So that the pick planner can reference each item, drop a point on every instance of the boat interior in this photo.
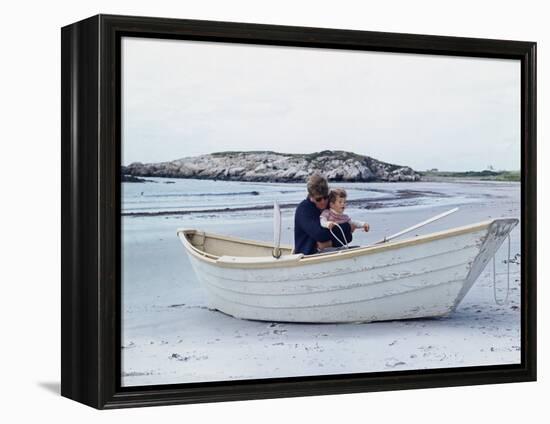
(215, 246)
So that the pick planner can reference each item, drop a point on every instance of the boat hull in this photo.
(422, 277)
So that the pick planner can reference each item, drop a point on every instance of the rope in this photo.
(343, 235)
(505, 301)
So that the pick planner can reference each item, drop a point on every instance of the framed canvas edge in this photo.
(90, 222)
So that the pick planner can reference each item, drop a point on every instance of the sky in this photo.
(186, 98)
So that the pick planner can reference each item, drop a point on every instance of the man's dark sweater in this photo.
(308, 230)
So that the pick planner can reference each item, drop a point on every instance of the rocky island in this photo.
(267, 166)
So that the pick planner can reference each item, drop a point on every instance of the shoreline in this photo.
(361, 203)
(364, 203)
(464, 179)
(129, 178)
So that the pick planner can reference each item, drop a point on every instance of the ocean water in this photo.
(165, 196)
(187, 195)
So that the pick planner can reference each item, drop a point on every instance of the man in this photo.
(307, 224)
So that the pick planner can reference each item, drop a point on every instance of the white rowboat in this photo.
(424, 276)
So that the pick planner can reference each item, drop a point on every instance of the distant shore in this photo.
(486, 175)
(426, 176)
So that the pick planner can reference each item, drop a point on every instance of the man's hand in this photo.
(366, 227)
(330, 225)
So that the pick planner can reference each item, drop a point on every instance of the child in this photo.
(335, 214)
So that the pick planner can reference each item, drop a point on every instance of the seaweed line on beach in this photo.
(363, 203)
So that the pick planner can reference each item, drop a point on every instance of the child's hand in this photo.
(366, 227)
(330, 225)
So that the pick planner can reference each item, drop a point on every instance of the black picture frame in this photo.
(91, 252)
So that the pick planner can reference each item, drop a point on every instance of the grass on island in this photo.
(486, 175)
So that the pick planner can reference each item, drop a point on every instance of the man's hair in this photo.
(336, 193)
(317, 186)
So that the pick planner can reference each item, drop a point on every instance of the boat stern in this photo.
(497, 232)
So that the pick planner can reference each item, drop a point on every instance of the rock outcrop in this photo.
(275, 167)
(126, 178)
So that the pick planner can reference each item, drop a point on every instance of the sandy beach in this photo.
(171, 336)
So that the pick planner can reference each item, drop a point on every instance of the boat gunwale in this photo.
(320, 257)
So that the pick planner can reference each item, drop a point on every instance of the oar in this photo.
(414, 227)
(276, 230)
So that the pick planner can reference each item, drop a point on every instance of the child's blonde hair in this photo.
(336, 193)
